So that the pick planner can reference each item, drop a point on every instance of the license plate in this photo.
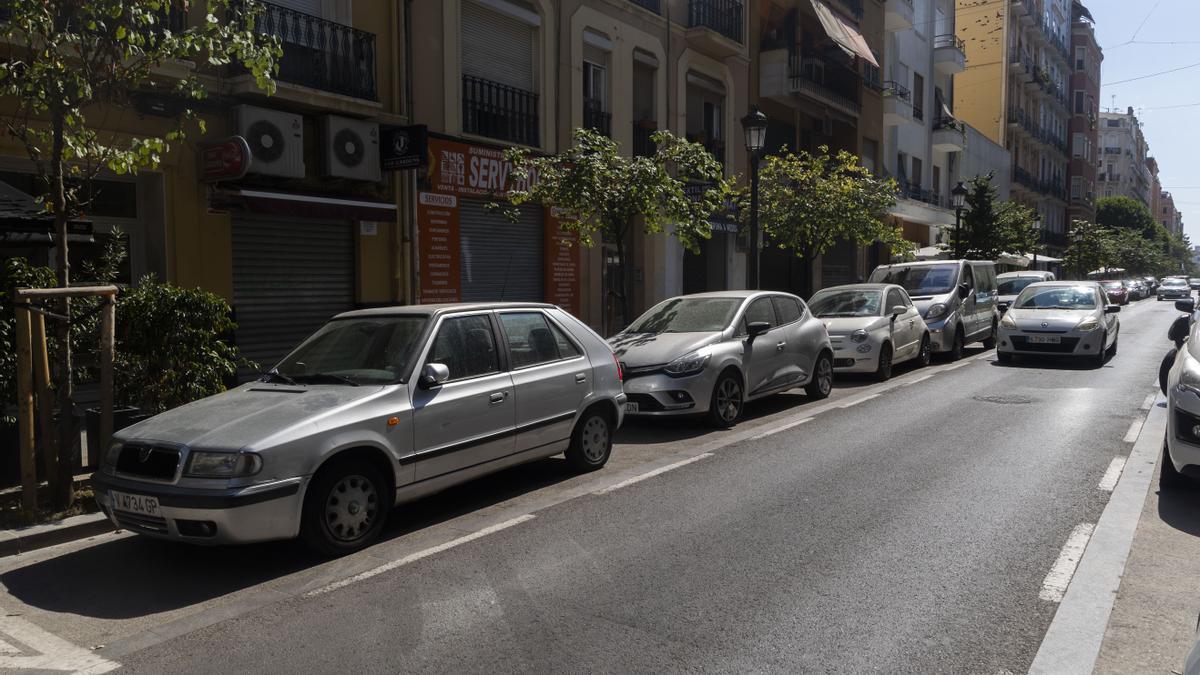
(1044, 339)
(631, 408)
(144, 505)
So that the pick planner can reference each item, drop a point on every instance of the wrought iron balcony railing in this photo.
(499, 111)
(321, 54)
(652, 5)
(722, 16)
(596, 118)
(820, 77)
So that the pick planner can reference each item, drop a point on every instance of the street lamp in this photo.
(958, 193)
(1037, 225)
(754, 125)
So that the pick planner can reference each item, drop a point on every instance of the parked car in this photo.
(1069, 318)
(1194, 282)
(872, 327)
(1117, 291)
(1137, 289)
(1009, 284)
(711, 353)
(1180, 463)
(377, 407)
(1174, 288)
(1151, 283)
(957, 299)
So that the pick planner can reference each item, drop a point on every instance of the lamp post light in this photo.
(1037, 225)
(958, 193)
(754, 125)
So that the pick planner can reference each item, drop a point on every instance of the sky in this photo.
(1146, 37)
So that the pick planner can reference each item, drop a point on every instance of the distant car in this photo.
(710, 353)
(1009, 284)
(1151, 283)
(379, 406)
(1069, 318)
(1194, 282)
(1137, 289)
(871, 328)
(1174, 288)
(1117, 292)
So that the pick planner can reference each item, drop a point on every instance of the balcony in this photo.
(949, 135)
(499, 111)
(949, 54)
(648, 5)
(715, 26)
(643, 144)
(596, 118)
(321, 54)
(854, 7)
(828, 82)
(898, 15)
(897, 104)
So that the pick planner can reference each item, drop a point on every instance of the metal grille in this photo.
(499, 111)
(148, 461)
(596, 118)
(140, 523)
(722, 16)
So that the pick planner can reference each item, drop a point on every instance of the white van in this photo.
(1010, 284)
(957, 299)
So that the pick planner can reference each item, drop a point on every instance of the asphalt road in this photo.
(905, 527)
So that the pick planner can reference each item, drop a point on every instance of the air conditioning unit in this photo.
(276, 140)
(349, 148)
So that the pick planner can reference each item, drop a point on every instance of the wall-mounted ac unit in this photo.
(276, 140)
(349, 148)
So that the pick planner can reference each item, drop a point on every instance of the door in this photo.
(905, 333)
(551, 377)
(797, 362)
(765, 354)
(469, 419)
(967, 308)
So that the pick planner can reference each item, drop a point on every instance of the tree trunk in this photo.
(62, 494)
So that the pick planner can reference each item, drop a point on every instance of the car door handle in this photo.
(498, 397)
(580, 378)
(780, 346)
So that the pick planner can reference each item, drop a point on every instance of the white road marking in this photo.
(49, 652)
(1135, 428)
(1149, 401)
(651, 474)
(956, 366)
(919, 379)
(1054, 586)
(778, 429)
(850, 404)
(1112, 475)
(413, 557)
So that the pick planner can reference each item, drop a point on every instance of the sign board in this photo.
(403, 147)
(470, 170)
(228, 159)
(439, 247)
(561, 265)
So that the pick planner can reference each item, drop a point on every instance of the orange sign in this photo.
(470, 170)
(437, 232)
(561, 266)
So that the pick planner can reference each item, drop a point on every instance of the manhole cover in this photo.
(1004, 400)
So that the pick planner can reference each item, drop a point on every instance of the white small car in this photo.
(1067, 318)
(872, 327)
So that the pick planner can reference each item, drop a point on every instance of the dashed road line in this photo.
(919, 379)
(861, 399)
(1149, 400)
(413, 557)
(778, 429)
(651, 474)
(1135, 428)
(1113, 474)
(1054, 586)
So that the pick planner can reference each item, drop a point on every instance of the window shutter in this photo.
(498, 47)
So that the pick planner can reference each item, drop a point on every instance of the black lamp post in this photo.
(754, 125)
(1077, 237)
(1037, 225)
(958, 193)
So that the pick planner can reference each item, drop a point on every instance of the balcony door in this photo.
(499, 57)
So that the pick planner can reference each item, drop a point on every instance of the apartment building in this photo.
(1015, 93)
(1123, 150)
(1086, 59)
(819, 82)
(1155, 186)
(1168, 215)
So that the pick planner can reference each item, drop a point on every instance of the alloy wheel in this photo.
(350, 508)
(729, 399)
(825, 376)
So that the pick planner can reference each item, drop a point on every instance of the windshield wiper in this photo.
(276, 375)
(330, 376)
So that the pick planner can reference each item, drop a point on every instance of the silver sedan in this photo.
(1068, 318)
(711, 352)
(872, 327)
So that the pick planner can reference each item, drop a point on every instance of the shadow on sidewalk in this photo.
(1177, 508)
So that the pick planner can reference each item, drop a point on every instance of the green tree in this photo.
(1137, 255)
(810, 202)
(1089, 247)
(66, 63)
(991, 227)
(604, 193)
(1128, 214)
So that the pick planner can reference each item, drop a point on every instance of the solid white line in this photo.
(1054, 586)
(413, 557)
(919, 379)
(651, 474)
(1149, 401)
(856, 401)
(1135, 428)
(956, 366)
(780, 428)
(1109, 481)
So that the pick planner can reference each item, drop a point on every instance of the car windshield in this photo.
(833, 304)
(1014, 286)
(687, 315)
(359, 350)
(1057, 297)
(919, 279)
(1113, 284)
(1177, 283)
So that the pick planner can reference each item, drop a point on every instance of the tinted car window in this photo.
(566, 348)
(967, 277)
(687, 315)
(530, 340)
(761, 310)
(919, 279)
(788, 309)
(366, 350)
(1014, 285)
(893, 299)
(466, 346)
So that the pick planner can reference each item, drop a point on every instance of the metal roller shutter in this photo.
(289, 277)
(498, 47)
(501, 260)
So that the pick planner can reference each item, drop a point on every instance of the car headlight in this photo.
(859, 335)
(1091, 323)
(936, 311)
(1189, 375)
(1008, 322)
(223, 464)
(110, 458)
(689, 364)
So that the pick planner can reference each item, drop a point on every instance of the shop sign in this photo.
(228, 159)
(561, 265)
(437, 234)
(403, 147)
(470, 170)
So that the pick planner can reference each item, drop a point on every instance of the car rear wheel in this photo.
(1168, 477)
(883, 372)
(1098, 359)
(926, 354)
(591, 441)
(728, 401)
(990, 341)
(822, 379)
(345, 508)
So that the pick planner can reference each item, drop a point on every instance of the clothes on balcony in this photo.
(841, 31)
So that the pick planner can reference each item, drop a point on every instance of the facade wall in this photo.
(1123, 151)
(983, 156)
(1084, 140)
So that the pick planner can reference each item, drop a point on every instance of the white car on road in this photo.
(872, 327)
(1068, 318)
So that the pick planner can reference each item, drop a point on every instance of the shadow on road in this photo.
(1177, 508)
(1057, 362)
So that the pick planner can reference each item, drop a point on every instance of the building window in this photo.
(870, 155)
(1080, 58)
(1080, 103)
(918, 97)
(1076, 187)
(499, 73)
(595, 98)
(1078, 144)
(645, 119)
(917, 171)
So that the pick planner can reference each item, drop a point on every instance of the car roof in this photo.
(1063, 282)
(736, 294)
(860, 287)
(1024, 273)
(441, 308)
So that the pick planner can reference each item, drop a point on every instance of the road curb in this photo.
(25, 539)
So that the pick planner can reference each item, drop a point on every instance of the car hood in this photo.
(1055, 319)
(637, 350)
(249, 416)
(847, 325)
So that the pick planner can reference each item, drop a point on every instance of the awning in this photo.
(313, 206)
(843, 33)
(932, 253)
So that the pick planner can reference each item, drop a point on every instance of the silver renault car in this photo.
(378, 407)
(710, 353)
(1067, 318)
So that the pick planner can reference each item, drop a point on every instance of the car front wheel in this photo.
(822, 379)
(926, 354)
(345, 508)
(883, 372)
(728, 400)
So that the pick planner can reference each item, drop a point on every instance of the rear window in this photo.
(788, 309)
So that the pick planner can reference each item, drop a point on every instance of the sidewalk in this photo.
(1153, 622)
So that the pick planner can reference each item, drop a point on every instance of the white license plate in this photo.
(1044, 339)
(631, 408)
(144, 505)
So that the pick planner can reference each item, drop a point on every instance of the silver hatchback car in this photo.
(712, 352)
(378, 407)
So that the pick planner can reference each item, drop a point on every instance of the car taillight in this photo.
(620, 375)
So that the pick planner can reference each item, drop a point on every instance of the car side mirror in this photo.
(756, 328)
(898, 310)
(1188, 305)
(1178, 331)
(1112, 309)
(964, 291)
(434, 375)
